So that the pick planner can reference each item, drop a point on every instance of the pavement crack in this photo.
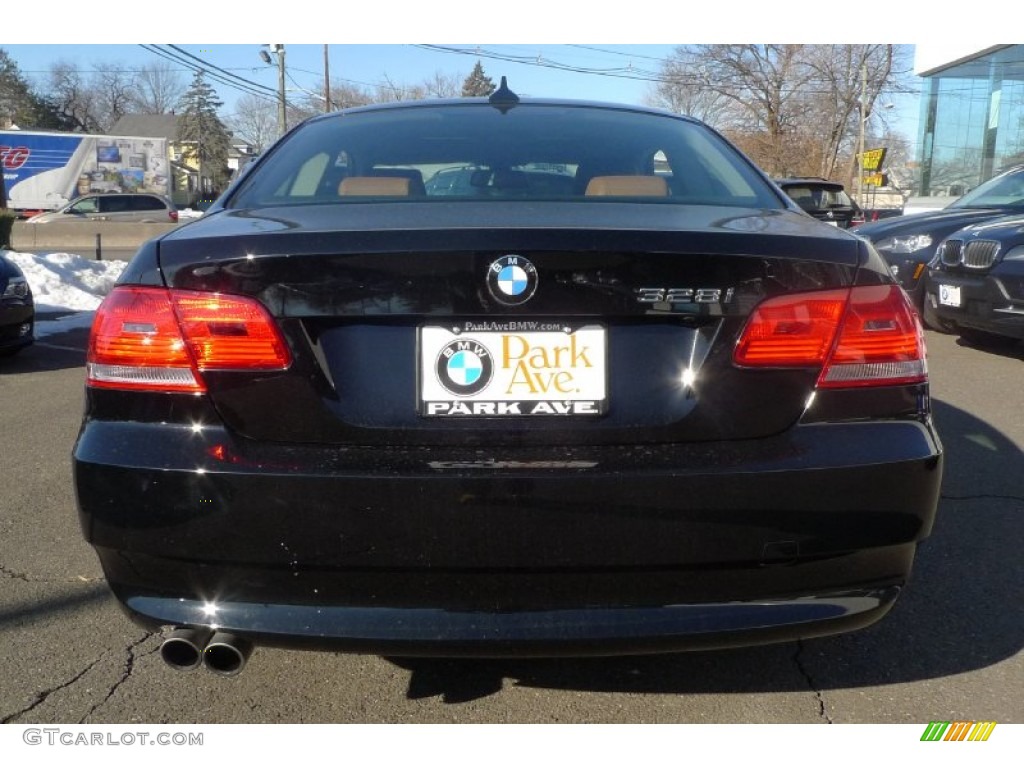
(18, 576)
(822, 709)
(126, 672)
(5, 571)
(981, 497)
(42, 696)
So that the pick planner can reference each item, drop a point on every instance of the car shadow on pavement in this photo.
(960, 611)
(66, 598)
(57, 352)
(1013, 351)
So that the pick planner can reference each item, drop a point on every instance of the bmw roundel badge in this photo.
(512, 280)
(464, 367)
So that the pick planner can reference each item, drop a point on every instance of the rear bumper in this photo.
(992, 302)
(577, 632)
(601, 549)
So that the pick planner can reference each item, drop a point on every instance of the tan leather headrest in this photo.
(374, 186)
(628, 186)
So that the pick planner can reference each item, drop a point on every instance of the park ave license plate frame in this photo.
(510, 369)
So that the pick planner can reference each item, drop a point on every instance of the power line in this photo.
(209, 66)
(212, 75)
(659, 59)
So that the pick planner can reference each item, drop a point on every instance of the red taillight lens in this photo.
(881, 342)
(173, 215)
(229, 332)
(159, 339)
(792, 331)
(862, 336)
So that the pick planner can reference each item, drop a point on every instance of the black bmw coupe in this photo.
(611, 393)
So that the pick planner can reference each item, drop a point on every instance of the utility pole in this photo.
(860, 136)
(327, 81)
(282, 106)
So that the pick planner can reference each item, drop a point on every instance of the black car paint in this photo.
(15, 312)
(297, 267)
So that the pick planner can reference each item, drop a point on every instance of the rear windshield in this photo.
(476, 152)
(811, 197)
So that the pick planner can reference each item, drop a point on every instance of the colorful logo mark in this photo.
(961, 730)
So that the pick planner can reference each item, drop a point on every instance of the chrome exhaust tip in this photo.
(183, 648)
(226, 654)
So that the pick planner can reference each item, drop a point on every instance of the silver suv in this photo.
(128, 206)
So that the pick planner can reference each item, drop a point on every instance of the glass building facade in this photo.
(972, 120)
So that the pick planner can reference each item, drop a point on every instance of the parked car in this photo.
(194, 210)
(128, 206)
(825, 200)
(908, 242)
(975, 283)
(17, 310)
(666, 411)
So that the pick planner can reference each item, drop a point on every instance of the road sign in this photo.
(873, 159)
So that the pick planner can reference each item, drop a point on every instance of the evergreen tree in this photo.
(203, 138)
(20, 104)
(478, 84)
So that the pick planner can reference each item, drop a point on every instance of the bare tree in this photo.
(347, 94)
(115, 89)
(350, 95)
(72, 97)
(842, 72)
(160, 88)
(443, 86)
(388, 90)
(767, 86)
(254, 121)
(92, 103)
(795, 109)
(682, 90)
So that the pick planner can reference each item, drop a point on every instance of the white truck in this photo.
(44, 171)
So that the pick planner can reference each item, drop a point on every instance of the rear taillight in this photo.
(161, 340)
(861, 336)
(173, 214)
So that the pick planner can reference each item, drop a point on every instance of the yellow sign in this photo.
(873, 159)
(875, 180)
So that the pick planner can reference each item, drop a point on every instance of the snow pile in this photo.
(66, 281)
(67, 284)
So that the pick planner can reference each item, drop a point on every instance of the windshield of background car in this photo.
(1002, 191)
(476, 152)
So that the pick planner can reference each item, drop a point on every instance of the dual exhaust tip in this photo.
(220, 652)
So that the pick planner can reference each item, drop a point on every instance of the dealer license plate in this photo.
(949, 295)
(514, 368)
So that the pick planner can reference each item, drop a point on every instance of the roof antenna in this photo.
(503, 98)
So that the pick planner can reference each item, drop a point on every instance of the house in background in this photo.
(184, 177)
(186, 185)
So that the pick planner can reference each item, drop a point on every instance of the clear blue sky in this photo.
(367, 65)
(376, 40)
